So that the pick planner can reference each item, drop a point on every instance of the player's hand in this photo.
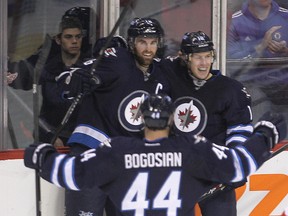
(84, 81)
(277, 47)
(81, 81)
(11, 77)
(273, 126)
(268, 35)
(235, 185)
(35, 155)
(58, 142)
(267, 39)
(89, 82)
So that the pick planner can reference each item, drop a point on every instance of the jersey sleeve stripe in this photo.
(55, 169)
(240, 129)
(68, 172)
(88, 136)
(239, 173)
(251, 161)
(236, 138)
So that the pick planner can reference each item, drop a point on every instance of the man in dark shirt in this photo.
(53, 107)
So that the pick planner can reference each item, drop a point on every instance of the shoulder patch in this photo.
(88, 62)
(106, 143)
(157, 59)
(110, 52)
(237, 14)
(172, 58)
(284, 10)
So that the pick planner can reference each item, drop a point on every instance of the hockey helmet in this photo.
(145, 27)
(116, 41)
(196, 42)
(83, 14)
(156, 110)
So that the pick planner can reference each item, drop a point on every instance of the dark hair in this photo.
(83, 14)
(69, 22)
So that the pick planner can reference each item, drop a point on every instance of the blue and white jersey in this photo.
(161, 177)
(220, 110)
(113, 108)
(246, 31)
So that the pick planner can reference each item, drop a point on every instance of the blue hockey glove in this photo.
(35, 155)
(273, 126)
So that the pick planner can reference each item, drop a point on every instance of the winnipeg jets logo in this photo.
(134, 110)
(129, 114)
(187, 117)
(190, 116)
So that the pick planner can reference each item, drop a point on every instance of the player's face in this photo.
(200, 64)
(71, 41)
(145, 49)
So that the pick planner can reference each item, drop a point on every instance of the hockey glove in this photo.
(35, 155)
(273, 127)
(235, 185)
(80, 81)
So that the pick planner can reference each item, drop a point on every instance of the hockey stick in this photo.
(12, 132)
(220, 187)
(95, 64)
(279, 150)
(37, 70)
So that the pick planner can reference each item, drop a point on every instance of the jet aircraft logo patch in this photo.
(190, 115)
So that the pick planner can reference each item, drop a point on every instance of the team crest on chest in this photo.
(129, 114)
(190, 115)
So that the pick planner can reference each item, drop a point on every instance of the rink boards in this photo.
(265, 193)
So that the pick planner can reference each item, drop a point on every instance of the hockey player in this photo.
(157, 175)
(209, 104)
(123, 77)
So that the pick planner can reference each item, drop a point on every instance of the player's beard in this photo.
(143, 61)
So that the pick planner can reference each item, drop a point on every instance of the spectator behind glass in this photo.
(259, 31)
(20, 75)
(54, 108)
